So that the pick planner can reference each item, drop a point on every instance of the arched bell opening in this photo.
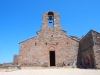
(50, 18)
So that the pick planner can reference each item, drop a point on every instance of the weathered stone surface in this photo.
(15, 59)
(89, 47)
(36, 51)
(96, 48)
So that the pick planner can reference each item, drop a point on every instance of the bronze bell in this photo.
(50, 19)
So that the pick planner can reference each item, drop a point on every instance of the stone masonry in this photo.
(15, 60)
(96, 48)
(51, 46)
(89, 47)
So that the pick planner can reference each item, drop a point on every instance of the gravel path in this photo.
(61, 71)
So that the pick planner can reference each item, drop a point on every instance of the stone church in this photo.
(51, 46)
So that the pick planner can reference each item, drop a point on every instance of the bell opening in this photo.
(50, 19)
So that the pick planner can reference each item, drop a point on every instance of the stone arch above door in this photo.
(52, 48)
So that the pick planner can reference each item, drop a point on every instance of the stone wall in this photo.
(89, 47)
(35, 51)
(86, 50)
(96, 38)
(15, 60)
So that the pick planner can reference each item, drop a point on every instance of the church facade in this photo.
(52, 47)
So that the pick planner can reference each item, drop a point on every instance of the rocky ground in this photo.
(61, 71)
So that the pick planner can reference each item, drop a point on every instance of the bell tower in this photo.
(50, 19)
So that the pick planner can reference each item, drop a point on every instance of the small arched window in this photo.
(35, 44)
(51, 35)
(56, 43)
(45, 43)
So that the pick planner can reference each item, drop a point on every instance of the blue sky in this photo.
(20, 19)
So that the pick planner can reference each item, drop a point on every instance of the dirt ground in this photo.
(61, 71)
